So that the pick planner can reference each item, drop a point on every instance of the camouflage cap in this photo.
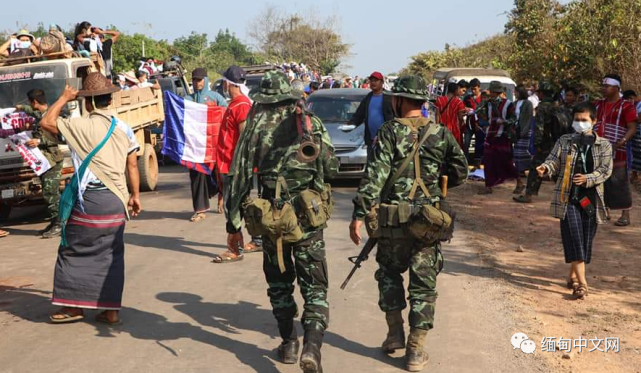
(545, 86)
(496, 87)
(274, 87)
(410, 86)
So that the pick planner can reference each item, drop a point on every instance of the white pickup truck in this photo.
(142, 109)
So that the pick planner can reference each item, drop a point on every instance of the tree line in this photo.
(279, 37)
(577, 42)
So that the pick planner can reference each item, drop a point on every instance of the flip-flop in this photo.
(102, 318)
(67, 318)
(3, 233)
(197, 217)
(226, 258)
(252, 247)
(622, 222)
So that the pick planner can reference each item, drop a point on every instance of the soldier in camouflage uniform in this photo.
(48, 145)
(439, 155)
(551, 122)
(270, 143)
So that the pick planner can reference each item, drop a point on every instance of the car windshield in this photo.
(253, 82)
(334, 109)
(16, 81)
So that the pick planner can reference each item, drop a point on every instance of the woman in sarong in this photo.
(89, 271)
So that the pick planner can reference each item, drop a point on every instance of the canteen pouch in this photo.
(430, 224)
(316, 208)
(254, 210)
(260, 220)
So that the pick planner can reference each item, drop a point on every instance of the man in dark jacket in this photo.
(374, 110)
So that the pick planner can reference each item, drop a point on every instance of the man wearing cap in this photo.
(397, 252)
(271, 143)
(374, 110)
(202, 185)
(617, 122)
(90, 270)
(230, 129)
(551, 122)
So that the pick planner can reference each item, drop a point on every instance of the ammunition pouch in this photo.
(425, 222)
(371, 222)
(315, 208)
(262, 218)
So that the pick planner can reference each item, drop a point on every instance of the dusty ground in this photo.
(535, 275)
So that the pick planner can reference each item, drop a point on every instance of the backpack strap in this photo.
(432, 129)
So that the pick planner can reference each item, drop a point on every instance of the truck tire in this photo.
(148, 169)
(5, 212)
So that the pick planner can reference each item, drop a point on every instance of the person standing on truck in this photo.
(90, 269)
(142, 76)
(48, 145)
(374, 110)
(202, 185)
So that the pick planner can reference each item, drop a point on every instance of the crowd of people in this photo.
(593, 150)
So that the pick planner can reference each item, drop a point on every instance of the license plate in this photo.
(342, 160)
(6, 194)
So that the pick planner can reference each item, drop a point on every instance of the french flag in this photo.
(191, 132)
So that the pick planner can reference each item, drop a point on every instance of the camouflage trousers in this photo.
(394, 257)
(51, 188)
(304, 261)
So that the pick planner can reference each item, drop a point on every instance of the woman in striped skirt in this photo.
(583, 161)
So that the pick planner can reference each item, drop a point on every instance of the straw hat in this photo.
(96, 84)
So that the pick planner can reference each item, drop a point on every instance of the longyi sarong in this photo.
(499, 162)
(90, 271)
(522, 155)
(618, 195)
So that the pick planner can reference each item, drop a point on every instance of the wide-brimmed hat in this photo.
(24, 32)
(410, 86)
(274, 87)
(96, 84)
(496, 87)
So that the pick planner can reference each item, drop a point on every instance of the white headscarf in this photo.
(243, 88)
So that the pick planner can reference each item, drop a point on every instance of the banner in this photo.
(33, 156)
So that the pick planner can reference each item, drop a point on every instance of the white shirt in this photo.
(144, 84)
(534, 99)
(639, 108)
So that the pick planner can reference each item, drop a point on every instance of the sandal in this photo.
(197, 217)
(102, 317)
(66, 317)
(622, 222)
(252, 247)
(228, 257)
(572, 284)
(581, 292)
(522, 199)
(3, 233)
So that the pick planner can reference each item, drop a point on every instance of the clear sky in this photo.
(384, 33)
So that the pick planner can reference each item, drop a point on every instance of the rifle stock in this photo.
(357, 260)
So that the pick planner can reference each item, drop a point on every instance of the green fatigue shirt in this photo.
(551, 122)
(48, 142)
(269, 144)
(439, 155)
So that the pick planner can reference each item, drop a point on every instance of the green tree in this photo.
(129, 49)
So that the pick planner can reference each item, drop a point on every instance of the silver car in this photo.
(335, 108)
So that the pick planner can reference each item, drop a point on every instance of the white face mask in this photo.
(581, 127)
(24, 44)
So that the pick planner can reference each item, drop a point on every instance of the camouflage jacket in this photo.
(439, 155)
(269, 145)
(48, 142)
(551, 122)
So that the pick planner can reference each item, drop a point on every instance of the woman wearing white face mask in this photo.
(583, 162)
(22, 41)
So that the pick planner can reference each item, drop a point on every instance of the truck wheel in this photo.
(148, 169)
(5, 211)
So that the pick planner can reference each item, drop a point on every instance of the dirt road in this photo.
(184, 314)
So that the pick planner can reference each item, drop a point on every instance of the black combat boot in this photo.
(415, 355)
(54, 231)
(310, 359)
(396, 335)
(288, 349)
